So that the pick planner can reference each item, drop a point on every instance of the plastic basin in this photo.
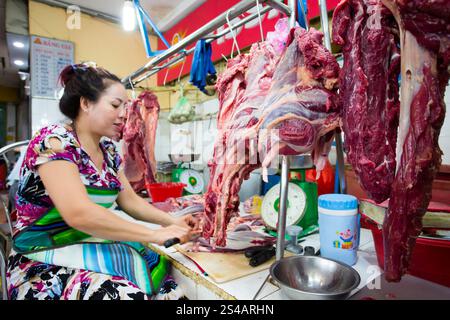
(161, 191)
(430, 258)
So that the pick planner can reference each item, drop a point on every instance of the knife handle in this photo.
(262, 257)
(251, 252)
(171, 242)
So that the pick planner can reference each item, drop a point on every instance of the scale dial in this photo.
(296, 206)
(193, 181)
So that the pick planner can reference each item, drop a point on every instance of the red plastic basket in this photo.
(161, 191)
(430, 259)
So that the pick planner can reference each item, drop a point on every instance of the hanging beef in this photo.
(368, 89)
(425, 51)
(301, 110)
(242, 89)
(288, 107)
(139, 140)
(368, 93)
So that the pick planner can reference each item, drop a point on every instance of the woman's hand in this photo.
(183, 233)
(188, 221)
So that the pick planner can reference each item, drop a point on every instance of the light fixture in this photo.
(18, 44)
(23, 75)
(128, 16)
(19, 62)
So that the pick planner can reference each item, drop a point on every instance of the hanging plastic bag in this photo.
(183, 111)
(278, 38)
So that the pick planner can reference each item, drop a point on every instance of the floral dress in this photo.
(28, 279)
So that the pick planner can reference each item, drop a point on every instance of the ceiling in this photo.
(164, 13)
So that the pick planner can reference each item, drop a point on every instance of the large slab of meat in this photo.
(139, 140)
(301, 110)
(424, 40)
(289, 106)
(425, 51)
(242, 89)
(368, 87)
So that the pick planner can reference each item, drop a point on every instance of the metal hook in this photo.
(181, 70)
(260, 21)
(232, 33)
(165, 77)
(133, 92)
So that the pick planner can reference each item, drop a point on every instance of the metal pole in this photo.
(293, 17)
(279, 5)
(284, 184)
(237, 25)
(337, 136)
(324, 22)
(237, 10)
(281, 226)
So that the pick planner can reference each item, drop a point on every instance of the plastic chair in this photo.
(3, 274)
(7, 233)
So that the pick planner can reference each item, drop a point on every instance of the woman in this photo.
(67, 244)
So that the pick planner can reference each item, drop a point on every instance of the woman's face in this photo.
(105, 117)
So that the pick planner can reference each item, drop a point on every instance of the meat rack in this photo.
(177, 52)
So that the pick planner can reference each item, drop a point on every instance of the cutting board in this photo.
(223, 267)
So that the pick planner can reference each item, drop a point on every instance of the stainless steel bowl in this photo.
(313, 277)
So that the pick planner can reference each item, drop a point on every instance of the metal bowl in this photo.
(313, 277)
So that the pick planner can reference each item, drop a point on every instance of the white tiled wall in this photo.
(191, 137)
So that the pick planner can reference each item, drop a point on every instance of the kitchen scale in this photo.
(191, 178)
(302, 206)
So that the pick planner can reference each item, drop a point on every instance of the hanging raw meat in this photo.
(139, 140)
(425, 51)
(368, 88)
(294, 98)
(370, 99)
(301, 110)
(247, 81)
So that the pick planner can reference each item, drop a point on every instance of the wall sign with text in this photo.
(48, 58)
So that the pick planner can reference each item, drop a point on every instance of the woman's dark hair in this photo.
(82, 80)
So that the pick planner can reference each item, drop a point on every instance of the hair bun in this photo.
(67, 74)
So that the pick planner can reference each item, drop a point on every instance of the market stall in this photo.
(280, 162)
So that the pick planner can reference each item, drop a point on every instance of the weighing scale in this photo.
(191, 178)
(302, 206)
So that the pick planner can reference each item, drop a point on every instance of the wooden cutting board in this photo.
(223, 267)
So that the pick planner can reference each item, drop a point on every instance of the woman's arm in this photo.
(62, 181)
(140, 209)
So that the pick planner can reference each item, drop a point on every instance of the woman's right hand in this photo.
(174, 231)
